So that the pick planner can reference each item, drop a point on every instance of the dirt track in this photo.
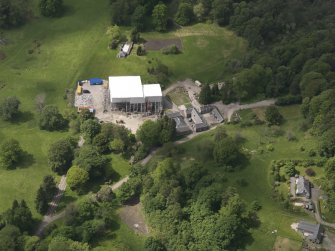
(156, 45)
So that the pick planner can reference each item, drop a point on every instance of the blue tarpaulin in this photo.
(96, 81)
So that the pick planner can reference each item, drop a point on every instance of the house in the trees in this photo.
(313, 232)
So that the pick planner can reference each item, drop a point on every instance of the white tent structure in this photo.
(129, 95)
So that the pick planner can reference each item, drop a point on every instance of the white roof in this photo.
(125, 48)
(125, 87)
(152, 90)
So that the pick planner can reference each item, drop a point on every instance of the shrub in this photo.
(270, 148)
(310, 172)
(302, 148)
(312, 153)
(255, 205)
(291, 137)
(173, 49)
(140, 51)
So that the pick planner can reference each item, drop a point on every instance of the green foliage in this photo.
(226, 152)
(117, 145)
(288, 100)
(312, 84)
(101, 142)
(205, 96)
(77, 178)
(135, 36)
(51, 8)
(273, 116)
(45, 194)
(90, 128)
(290, 170)
(152, 244)
(60, 155)
(140, 51)
(91, 161)
(138, 18)
(9, 108)
(10, 239)
(13, 13)
(64, 244)
(105, 194)
(11, 154)
(173, 49)
(19, 215)
(51, 119)
(130, 190)
(160, 17)
(184, 15)
(153, 134)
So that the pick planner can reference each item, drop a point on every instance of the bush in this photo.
(312, 153)
(10, 153)
(51, 8)
(140, 51)
(302, 148)
(114, 44)
(270, 148)
(173, 49)
(255, 205)
(310, 172)
(273, 116)
(291, 137)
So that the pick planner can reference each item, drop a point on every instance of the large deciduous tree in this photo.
(10, 153)
(60, 155)
(77, 178)
(51, 8)
(9, 108)
(160, 17)
(226, 152)
(184, 14)
(51, 119)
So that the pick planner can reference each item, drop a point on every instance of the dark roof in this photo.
(172, 115)
(315, 230)
(199, 122)
(215, 112)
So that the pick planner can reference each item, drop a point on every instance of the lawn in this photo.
(66, 48)
(256, 174)
(179, 97)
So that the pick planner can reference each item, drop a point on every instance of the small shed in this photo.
(96, 81)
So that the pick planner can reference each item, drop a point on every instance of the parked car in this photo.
(86, 91)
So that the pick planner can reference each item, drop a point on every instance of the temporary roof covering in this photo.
(126, 89)
(96, 81)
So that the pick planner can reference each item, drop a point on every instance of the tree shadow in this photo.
(26, 160)
(23, 117)
(68, 10)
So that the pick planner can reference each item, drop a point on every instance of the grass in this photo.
(179, 97)
(285, 244)
(256, 173)
(120, 165)
(122, 237)
(326, 214)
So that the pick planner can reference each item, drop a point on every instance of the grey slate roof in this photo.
(217, 115)
(314, 231)
(303, 187)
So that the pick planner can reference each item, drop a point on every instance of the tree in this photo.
(135, 36)
(51, 8)
(327, 144)
(167, 129)
(10, 154)
(63, 244)
(273, 116)
(105, 194)
(222, 10)
(160, 17)
(226, 152)
(152, 244)
(90, 160)
(77, 178)
(60, 155)
(10, 239)
(101, 142)
(205, 96)
(51, 119)
(10, 108)
(13, 13)
(117, 145)
(148, 133)
(41, 201)
(199, 11)
(19, 215)
(138, 18)
(90, 128)
(184, 14)
(312, 84)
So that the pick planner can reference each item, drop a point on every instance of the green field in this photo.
(256, 174)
